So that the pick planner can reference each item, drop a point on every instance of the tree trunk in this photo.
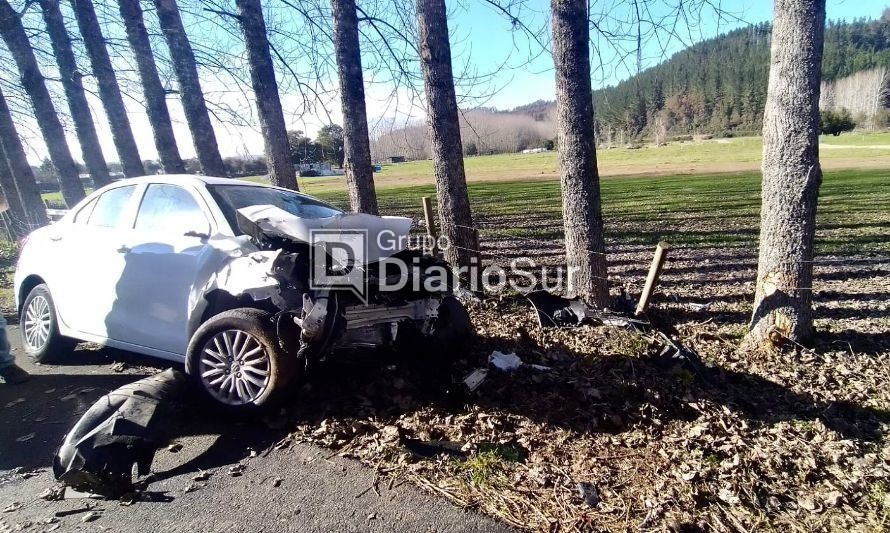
(152, 89)
(16, 221)
(265, 89)
(14, 153)
(356, 145)
(444, 124)
(74, 92)
(190, 88)
(109, 92)
(16, 39)
(582, 214)
(791, 175)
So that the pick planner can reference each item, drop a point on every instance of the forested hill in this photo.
(719, 85)
(715, 87)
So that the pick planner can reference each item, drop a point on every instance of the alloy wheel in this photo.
(234, 367)
(37, 323)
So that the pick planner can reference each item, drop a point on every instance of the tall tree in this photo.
(109, 91)
(356, 144)
(791, 175)
(13, 34)
(14, 154)
(16, 223)
(444, 125)
(152, 88)
(265, 89)
(193, 103)
(75, 94)
(582, 214)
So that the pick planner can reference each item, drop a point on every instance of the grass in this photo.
(703, 210)
(719, 155)
(517, 196)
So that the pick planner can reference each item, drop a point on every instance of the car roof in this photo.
(195, 179)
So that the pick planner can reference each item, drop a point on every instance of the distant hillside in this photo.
(715, 87)
(718, 86)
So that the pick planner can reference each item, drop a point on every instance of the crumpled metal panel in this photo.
(123, 428)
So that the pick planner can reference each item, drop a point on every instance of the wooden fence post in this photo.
(430, 222)
(652, 278)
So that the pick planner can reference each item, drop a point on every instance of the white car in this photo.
(214, 273)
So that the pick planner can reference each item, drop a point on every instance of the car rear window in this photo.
(110, 207)
(233, 197)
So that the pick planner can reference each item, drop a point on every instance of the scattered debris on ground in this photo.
(628, 430)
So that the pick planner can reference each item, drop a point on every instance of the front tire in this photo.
(40, 327)
(237, 363)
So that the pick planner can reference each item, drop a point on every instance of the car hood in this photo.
(384, 236)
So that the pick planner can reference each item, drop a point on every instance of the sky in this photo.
(513, 69)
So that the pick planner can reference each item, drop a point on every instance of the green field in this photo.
(711, 198)
(716, 156)
(705, 210)
(680, 157)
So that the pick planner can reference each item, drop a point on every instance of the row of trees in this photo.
(791, 173)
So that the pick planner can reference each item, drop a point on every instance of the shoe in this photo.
(13, 375)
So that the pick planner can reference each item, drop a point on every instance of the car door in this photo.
(91, 259)
(165, 251)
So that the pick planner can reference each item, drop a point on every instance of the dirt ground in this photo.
(794, 440)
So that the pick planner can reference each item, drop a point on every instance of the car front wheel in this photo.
(40, 327)
(237, 362)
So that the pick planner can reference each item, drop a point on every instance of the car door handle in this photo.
(198, 234)
(56, 238)
(123, 249)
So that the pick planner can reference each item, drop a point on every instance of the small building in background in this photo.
(397, 159)
(314, 169)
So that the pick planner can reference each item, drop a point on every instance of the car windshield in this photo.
(233, 197)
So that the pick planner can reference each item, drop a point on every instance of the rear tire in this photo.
(237, 363)
(40, 328)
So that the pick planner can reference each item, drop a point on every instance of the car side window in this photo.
(84, 214)
(168, 207)
(110, 207)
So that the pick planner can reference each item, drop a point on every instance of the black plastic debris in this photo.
(555, 312)
(428, 449)
(122, 429)
(588, 493)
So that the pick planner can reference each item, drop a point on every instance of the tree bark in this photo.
(265, 89)
(152, 88)
(582, 214)
(356, 144)
(109, 92)
(16, 222)
(74, 92)
(13, 34)
(193, 103)
(791, 175)
(14, 154)
(442, 116)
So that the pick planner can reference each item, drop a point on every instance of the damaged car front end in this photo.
(385, 295)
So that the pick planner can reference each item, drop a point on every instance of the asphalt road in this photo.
(314, 491)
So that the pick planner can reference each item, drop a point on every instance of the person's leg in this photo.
(10, 373)
(6, 357)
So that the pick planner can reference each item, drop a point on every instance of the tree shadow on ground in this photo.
(586, 394)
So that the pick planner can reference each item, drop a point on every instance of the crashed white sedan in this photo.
(217, 273)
